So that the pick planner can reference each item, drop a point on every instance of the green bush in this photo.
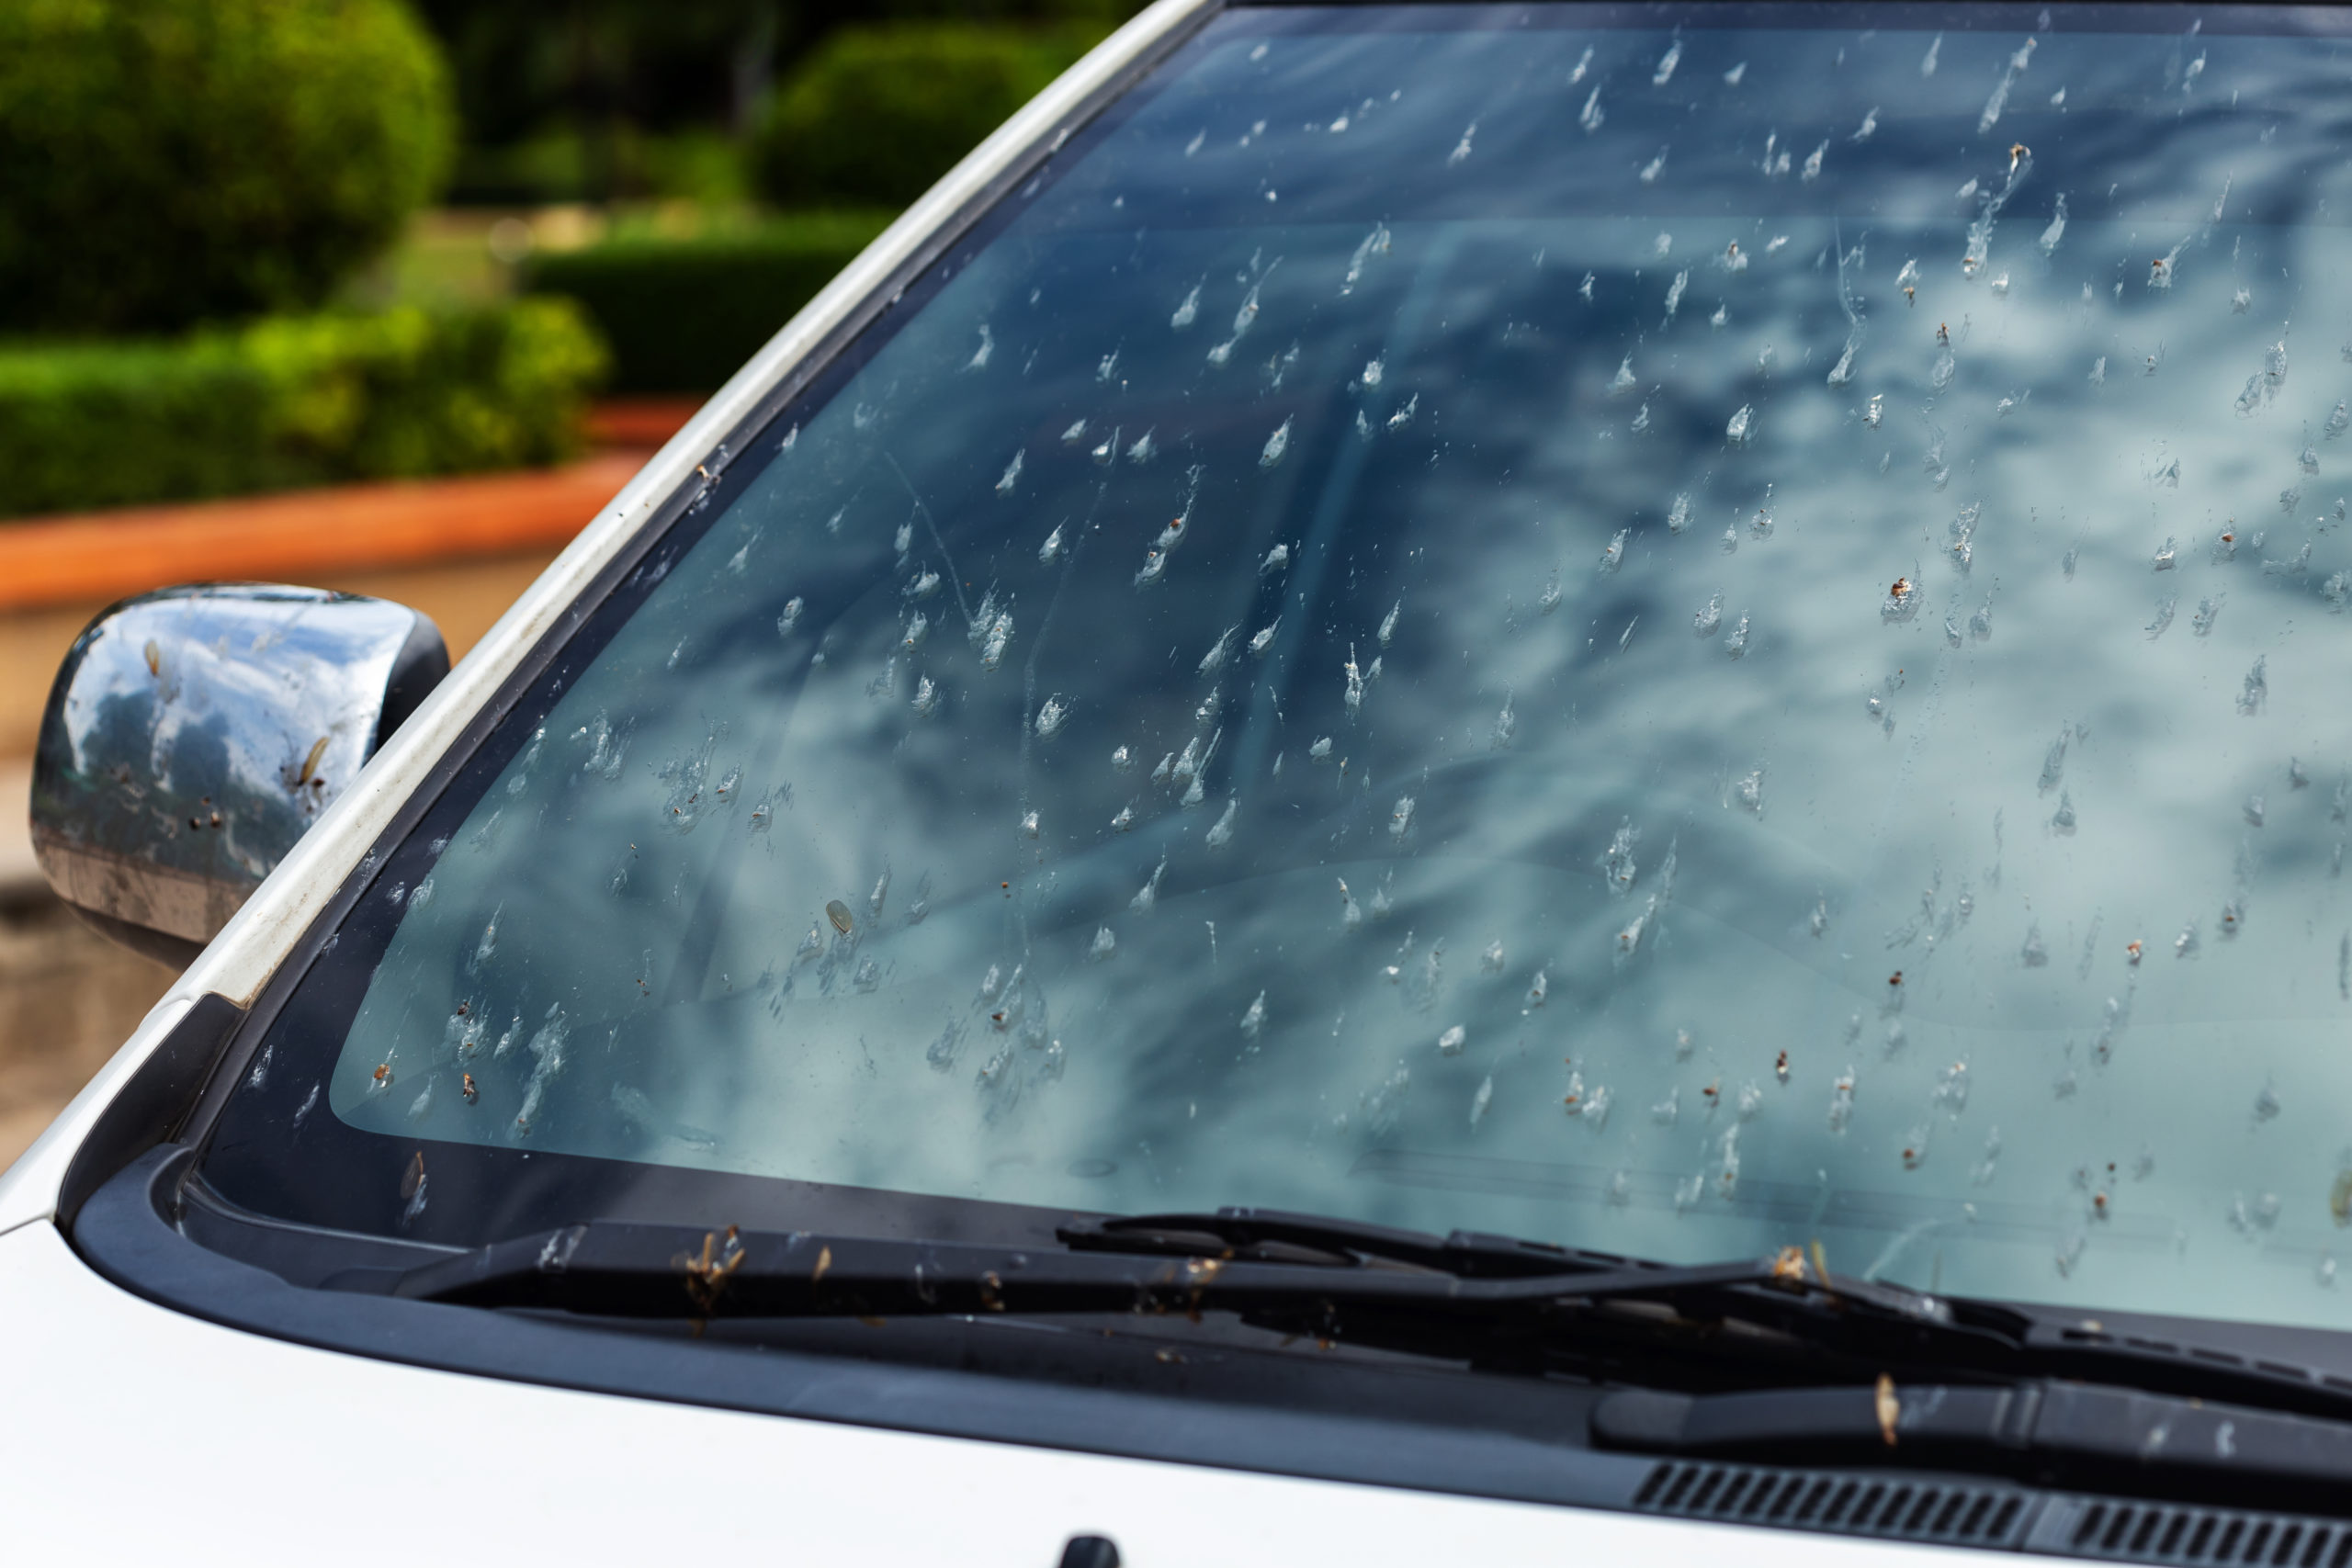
(681, 315)
(878, 113)
(164, 161)
(291, 401)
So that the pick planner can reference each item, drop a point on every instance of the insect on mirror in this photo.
(194, 733)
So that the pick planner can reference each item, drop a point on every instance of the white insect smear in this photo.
(2057, 230)
(1277, 446)
(2000, 98)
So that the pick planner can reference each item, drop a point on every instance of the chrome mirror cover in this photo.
(194, 734)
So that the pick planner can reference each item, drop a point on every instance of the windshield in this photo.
(1678, 636)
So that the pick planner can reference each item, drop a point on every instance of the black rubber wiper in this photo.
(1327, 1278)
(1491, 1301)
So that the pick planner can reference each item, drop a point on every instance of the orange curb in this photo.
(100, 555)
(640, 421)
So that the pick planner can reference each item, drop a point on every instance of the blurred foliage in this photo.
(167, 161)
(878, 113)
(559, 165)
(594, 100)
(682, 315)
(291, 401)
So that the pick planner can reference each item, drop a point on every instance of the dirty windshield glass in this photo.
(1675, 637)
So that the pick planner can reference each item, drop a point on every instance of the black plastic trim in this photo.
(421, 664)
(126, 1235)
(152, 1104)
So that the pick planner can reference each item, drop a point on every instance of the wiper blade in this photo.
(1540, 1271)
(1329, 1278)
(1277, 1236)
(1492, 1300)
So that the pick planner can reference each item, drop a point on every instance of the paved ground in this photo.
(67, 997)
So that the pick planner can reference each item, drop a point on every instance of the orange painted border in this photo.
(106, 555)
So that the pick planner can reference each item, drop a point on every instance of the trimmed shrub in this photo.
(286, 402)
(172, 161)
(683, 315)
(878, 113)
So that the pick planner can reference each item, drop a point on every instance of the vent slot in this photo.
(1994, 1516)
(2203, 1538)
(1947, 1513)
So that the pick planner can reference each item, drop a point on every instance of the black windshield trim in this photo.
(1375, 1429)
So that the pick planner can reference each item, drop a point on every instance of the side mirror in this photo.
(194, 733)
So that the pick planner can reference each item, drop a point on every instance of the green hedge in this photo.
(683, 315)
(292, 402)
(878, 113)
(164, 161)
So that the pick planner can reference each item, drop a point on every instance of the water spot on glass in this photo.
(1736, 641)
(1506, 727)
(2062, 821)
(1999, 101)
(1277, 446)
(1748, 791)
(1185, 314)
(1618, 866)
(995, 634)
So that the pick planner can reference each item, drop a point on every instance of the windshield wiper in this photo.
(1462, 1295)
(1490, 1301)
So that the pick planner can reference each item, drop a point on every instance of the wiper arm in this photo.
(1277, 1236)
(1327, 1278)
(1488, 1300)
